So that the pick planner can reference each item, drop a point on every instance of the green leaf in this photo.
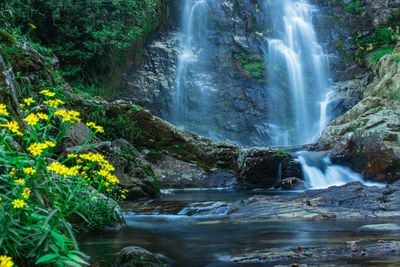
(46, 258)
(76, 258)
(72, 263)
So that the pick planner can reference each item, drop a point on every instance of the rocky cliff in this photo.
(367, 137)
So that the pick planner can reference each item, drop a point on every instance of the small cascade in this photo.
(297, 71)
(319, 172)
(192, 88)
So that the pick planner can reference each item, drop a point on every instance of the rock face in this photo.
(386, 227)
(178, 158)
(352, 251)
(136, 257)
(367, 137)
(353, 200)
(233, 69)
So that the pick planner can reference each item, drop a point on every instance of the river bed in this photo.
(190, 228)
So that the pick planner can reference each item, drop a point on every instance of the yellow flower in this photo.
(32, 26)
(13, 172)
(29, 101)
(63, 170)
(71, 156)
(97, 128)
(3, 110)
(54, 103)
(6, 261)
(21, 182)
(26, 193)
(43, 116)
(36, 149)
(12, 126)
(70, 116)
(21, 105)
(29, 171)
(19, 203)
(47, 93)
(32, 119)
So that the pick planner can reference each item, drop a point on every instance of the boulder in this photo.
(136, 257)
(292, 183)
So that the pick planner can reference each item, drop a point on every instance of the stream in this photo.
(189, 228)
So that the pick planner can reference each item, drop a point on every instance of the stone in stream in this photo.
(291, 183)
(385, 227)
(136, 257)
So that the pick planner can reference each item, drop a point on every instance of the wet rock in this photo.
(258, 167)
(136, 257)
(367, 137)
(386, 227)
(353, 200)
(291, 168)
(292, 183)
(134, 172)
(328, 256)
(175, 173)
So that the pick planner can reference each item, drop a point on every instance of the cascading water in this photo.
(297, 70)
(298, 89)
(189, 107)
(319, 172)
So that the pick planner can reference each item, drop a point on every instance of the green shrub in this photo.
(90, 37)
(40, 192)
(379, 54)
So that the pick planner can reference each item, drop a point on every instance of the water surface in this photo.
(189, 228)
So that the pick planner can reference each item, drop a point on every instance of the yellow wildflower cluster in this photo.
(3, 110)
(29, 101)
(47, 93)
(26, 193)
(29, 171)
(95, 127)
(21, 182)
(43, 116)
(32, 119)
(106, 167)
(6, 261)
(54, 103)
(64, 170)
(36, 149)
(70, 116)
(12, 127)
(19, 203)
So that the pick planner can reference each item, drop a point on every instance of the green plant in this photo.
(354, 7)
(41, 192)
(89, 37)
(379, 54)
(253, 63)
(282, 154)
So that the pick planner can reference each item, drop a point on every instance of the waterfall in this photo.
(319, 172)
(298, 84)
(189, 108)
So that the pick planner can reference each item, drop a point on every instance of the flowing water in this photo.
(297, 103)
(319, 172)
(190, 229)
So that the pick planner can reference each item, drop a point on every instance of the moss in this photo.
(254, 63)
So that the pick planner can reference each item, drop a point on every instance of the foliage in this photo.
(282, 154)
(255, 64)
(41, 192)
(89, 37)
(354, 7)
(381, 38)
(379, 54)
